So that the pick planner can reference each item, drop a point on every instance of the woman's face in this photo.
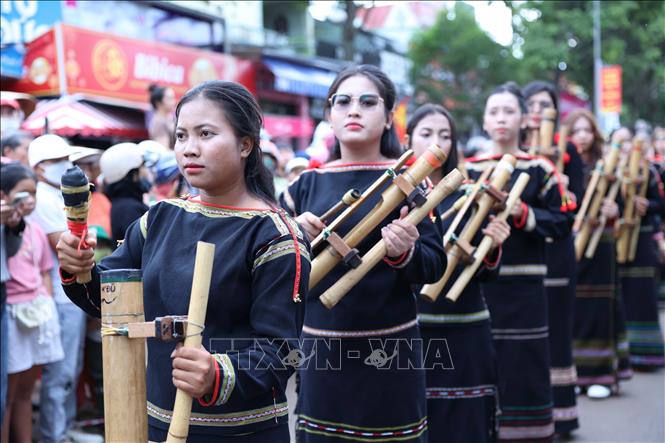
(432, 129)
(536, 104)
(358, 113)
(25, 203)
(582, 134)
(209, 154)
(503, 118)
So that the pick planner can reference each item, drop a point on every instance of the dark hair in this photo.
(13, 140)
(597, 144)
(429, 109)
(537, 86)
(156, 94)
(244, 115)
(390, 145)
(511, 88)
(12, 173)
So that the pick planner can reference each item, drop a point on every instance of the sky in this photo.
(494, 18)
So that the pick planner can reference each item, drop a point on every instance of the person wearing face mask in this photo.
(48, 156)
(125, 183)
(14, 146)
(11, 115)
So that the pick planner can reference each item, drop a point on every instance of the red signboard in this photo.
(104, 65)
(288, 126)
(610, 89)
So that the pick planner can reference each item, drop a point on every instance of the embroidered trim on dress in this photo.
(370, 333)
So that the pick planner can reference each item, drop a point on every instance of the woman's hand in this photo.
(641, 205)
(193, 370)
(311, 224)
(399, 236)
(517, 210)
(71, 260)
(498, 230)
(609, 209)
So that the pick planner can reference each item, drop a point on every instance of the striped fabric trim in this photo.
(596, 380)
(517, 270)
(526, 422)
(557, 282)
(216, 212)
(463, 392)
(644, 360)
(354, 167)
(358, 433)
(240, 418)
(563, 376)
(595, 291)
(143, 224)
(520, 334)
(278, 250)
(647, 228)
(565, 414)
(229, 380)
(289, 200)
(369, 333)
(439, 319)
(637, 272)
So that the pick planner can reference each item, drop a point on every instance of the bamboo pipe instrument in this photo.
(498, 180)
(586, 229)
(198, 305)
(534, 136)
(547, 131)
(630, 190)
(351, 196)
(602, 220)
(486, 243)
(471, 198)
(561, 148)
(337, 291)
(588, 195)
(323, 263)
(455, 207)
(123, 358)
(363, 197)
(635, 234)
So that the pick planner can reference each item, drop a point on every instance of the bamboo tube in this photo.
(534, 136)
(123, 359)
(547, 130)
(486, 243)
(363, 197)
(561, 148)
(337, 291)
(602, 220)
(455, 207)
(590, 190)
(351, 196)
(586, 229)
(635, 235)
(500, 176)
(472, 196)
(198, 305)
(390, 198)
(630, 191)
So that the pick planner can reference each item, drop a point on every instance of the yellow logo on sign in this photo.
(109, 65)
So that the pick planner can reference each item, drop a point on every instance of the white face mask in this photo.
(53, 172)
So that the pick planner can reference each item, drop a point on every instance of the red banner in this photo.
(104, 65)
(288, 126)
(610, 89)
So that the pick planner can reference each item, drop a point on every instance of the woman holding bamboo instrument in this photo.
(367, 377)
(516, 299)
(600, 348)
(260, 271)
(638, 272)
(460, 400)
(561, 268)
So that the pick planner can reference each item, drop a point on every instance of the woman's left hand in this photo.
(399, 236)
(641, 205)
(193, 370)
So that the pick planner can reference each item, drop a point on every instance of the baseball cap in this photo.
(84, 155)
(47, 147)
(118, 160)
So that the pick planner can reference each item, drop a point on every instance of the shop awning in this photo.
(299, 79)
(68, 116)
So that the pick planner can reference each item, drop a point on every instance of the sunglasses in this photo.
(365, 101)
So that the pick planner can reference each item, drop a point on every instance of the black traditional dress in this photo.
(365, 380)
(518, 303)
(560, 286)
(253, 318)
(639, 286)
(462, 395)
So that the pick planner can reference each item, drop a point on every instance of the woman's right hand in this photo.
(609, 209)
(311, 224)
(73, 261)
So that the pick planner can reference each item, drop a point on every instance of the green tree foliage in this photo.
(633, 36)
(457, 64)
